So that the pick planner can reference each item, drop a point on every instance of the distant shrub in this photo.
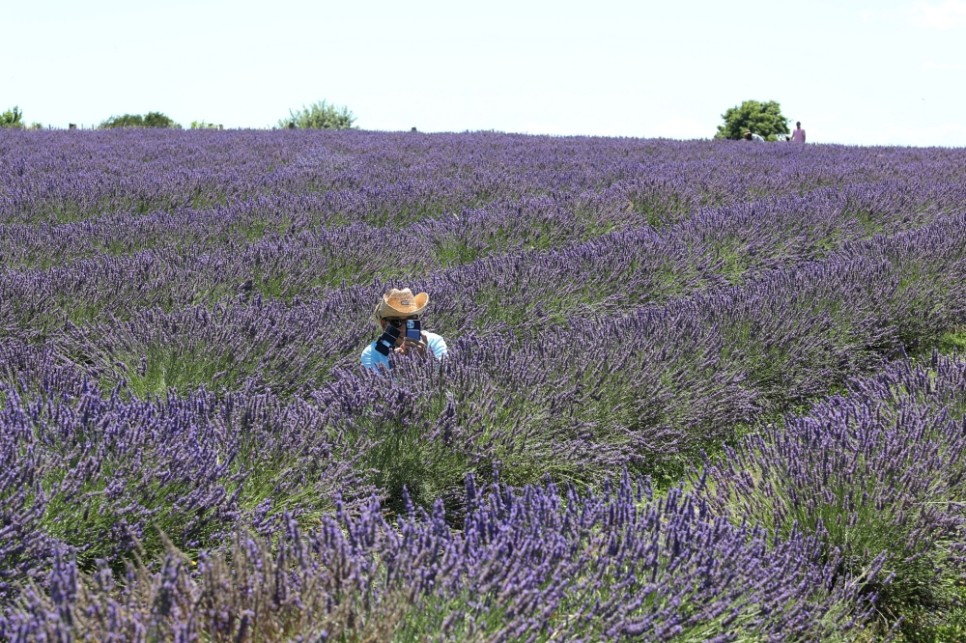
(12, 118)
(205, 125)
(320, 115)
(151, 119)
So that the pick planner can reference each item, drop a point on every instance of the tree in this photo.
(157, 119)
(319, 115)
(752, 116)
(127, 120)
(151, 119)
(12, 118)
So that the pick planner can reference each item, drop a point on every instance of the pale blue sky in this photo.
(858, 72)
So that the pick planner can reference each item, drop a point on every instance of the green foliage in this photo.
(127, 120)
(205, 125)
(953, 341)
(12, 118)
(404, 461)
(764, 119)
(151, 119)
(320, 115)
(157, 119)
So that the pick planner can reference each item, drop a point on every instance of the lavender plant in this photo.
(536, 563)
(876, 471)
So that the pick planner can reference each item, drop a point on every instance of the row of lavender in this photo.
(648, 388)
(857, 502)
(386, 179)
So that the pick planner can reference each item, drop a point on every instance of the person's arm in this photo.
(438, 345)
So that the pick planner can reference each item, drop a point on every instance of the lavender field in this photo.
(694, 390)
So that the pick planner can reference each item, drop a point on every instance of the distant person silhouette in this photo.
(798, 136)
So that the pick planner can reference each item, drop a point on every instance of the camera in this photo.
(413, 330)
(387, 341)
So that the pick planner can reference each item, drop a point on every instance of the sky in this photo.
(856, 72)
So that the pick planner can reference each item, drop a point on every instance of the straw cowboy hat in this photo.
(400, 303)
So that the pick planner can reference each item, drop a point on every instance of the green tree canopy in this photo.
(151, 119)
(760, 118)
(12, 118)
(320, 115)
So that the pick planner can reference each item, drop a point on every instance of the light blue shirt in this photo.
(372, 359)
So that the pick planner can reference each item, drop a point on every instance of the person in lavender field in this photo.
(751, 136)
(398, 315)
(798, 136)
